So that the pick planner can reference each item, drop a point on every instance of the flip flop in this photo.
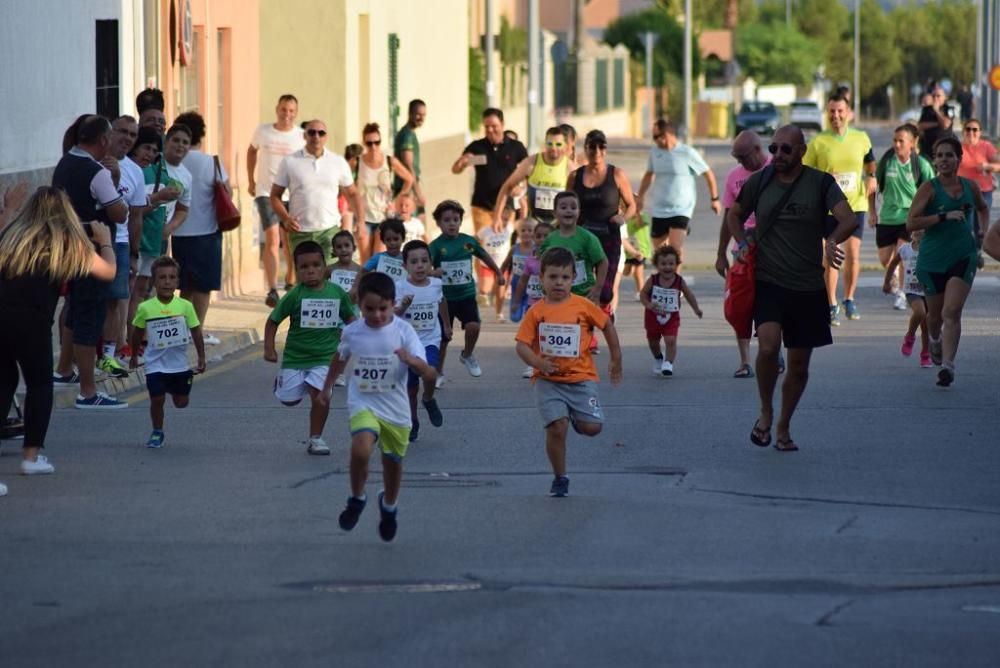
(744, 372)
(787, 445)
(757, 436)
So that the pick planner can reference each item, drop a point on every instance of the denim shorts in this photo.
(268, 218)
(119, 287)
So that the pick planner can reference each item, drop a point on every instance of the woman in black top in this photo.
(603, 189)
(41, 249)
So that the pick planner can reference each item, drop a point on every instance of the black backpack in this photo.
(883, 164)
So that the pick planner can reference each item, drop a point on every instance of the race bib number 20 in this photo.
(456, 272)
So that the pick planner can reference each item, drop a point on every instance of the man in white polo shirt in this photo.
(314, 177)
(270, 144)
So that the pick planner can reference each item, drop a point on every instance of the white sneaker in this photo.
(211, 340)
(340, 382)
(528, 372)
(900, 303)
(317, 446)
(471, 365)
(3, 489)
(657, 367)
(667, 369)
(439, 383)
(39, 467)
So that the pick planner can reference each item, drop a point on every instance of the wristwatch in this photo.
(715, 199)
(942, 216)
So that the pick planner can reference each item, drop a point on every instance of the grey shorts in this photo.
(576, 401)
(268, 218)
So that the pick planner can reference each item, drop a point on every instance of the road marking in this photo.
(398, 588)
(995, 609)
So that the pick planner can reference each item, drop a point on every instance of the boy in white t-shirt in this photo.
(420, 301)
(415, 228)
(384, 348)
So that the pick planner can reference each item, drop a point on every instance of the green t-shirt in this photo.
(899, 187)
(406, 140)
(454, 256)
(790, 244)
(150, 243)
(586, 249)
(951, 241)
(638, 235)
(317, 318)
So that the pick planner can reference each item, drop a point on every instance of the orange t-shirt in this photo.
(562, 332)
(972, 158)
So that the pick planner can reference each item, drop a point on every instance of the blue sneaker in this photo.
(99, 401)
(835, 316)
(434, 412)
(387, 524)
(851, 309)
(560, 486)
(352, 513)
(155, 439)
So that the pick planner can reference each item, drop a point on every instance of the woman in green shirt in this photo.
(953, 214)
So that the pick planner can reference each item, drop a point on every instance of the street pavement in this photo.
(681, 543)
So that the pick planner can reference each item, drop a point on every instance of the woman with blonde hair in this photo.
(42, 248)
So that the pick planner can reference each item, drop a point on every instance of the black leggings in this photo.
(26, 340)
(612, 245)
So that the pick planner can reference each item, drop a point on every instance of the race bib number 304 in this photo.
(164, 333)
(320, 314)
(376, 373)
(456, 272)
(559, 340)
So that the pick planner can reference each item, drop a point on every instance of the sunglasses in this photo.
(785, 148)
(971, 130)
(373, 143)
(556, 144)
(596, 147)
(316, 133)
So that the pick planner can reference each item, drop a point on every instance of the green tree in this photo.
(668, 52)
(828, 23)
(775, 54)
(477, 88)
(711, 14)
(880, 57)
(954, 48)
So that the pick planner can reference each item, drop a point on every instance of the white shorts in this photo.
(290, 385)
(145, 265)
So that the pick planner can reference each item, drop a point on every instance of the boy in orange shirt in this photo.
(554, 338)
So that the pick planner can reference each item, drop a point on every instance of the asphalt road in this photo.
(681, 543)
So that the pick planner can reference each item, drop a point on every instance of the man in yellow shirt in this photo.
(846, 154)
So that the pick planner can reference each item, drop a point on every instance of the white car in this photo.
(806, 114)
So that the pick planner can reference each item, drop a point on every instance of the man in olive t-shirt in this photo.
(406, 148)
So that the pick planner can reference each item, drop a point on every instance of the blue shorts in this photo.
(174, 384)
(119, 287)
(268, 218)
(200, 258)
(88, 306)
(859, 229)
(516, 315)
(433, 355)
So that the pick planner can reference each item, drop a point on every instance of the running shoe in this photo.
(317, 446)
(937, 354)
(657, 367)
(352, 513)
(271, 300)
(946, 377)
(907, 347)
(340, 381)
(71, 379)
(434, 412)
(112, 367)
(3, 489)
(835, 316)
(155, 439)
(501, 317)
(483, 300)
(528, 372)
(667, 369)
(560, 486)
(851, 309)
(40, 466)
(925, 360)
(100, 401)
(439, 383)
(387, 523)
(900, 303)
(414, 432)
(471, 365)
(211, 340)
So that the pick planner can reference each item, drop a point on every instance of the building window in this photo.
(191, 75)
(601, 85)
(619, 96)
(106, 44)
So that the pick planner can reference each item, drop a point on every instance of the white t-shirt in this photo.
(132, 188)
(313, 185)
(272, 146)
(179, 177)
(414, 229)
(911, 284)
(201, 218)
(673, 191)
(497, 244)
(373, 350)
(422, 313)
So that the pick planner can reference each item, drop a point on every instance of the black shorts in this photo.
(804, 316)
(633, 262)
(174, 384)
(200, 258)
(88, 306)
(466, 310)
(661, 226)
(859, 228)
(889, 235)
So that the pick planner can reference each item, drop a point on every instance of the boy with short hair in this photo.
(384, 347)
(554, 338)
(171, 323)
(420, 301)
(389, 261)
(452, 253)
(344, 272)
(318, 310)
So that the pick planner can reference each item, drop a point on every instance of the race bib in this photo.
(391, 266)
(848, 182)
(559, 340)
(668, 298)
(545, 198)
(343, 278)
(423, 317)
(913, 285)
(164, 333)
(581, 273)
(517, 264)
(534, 287)
(319, 314)
(456, 272)
(376, 373)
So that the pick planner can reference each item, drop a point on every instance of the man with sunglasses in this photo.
(790, 202)
(846, 154)
(546, 173)
(314, 176)
(936, 121)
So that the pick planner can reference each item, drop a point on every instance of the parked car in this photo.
(807, 115)
(761, 117)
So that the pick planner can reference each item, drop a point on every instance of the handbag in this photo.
(226, 213)
(741, 286)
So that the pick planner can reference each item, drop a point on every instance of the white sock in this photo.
(387, 507)
(109, 349)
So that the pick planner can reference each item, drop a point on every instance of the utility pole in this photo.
(788, 13)
(687, 69)
(533, 75)
(491, 85)
(857, 61)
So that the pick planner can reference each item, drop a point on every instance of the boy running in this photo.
(345, 270)
(389, 261)
(318, 310)
(384, 348)
(554, 337)
(172, 324)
